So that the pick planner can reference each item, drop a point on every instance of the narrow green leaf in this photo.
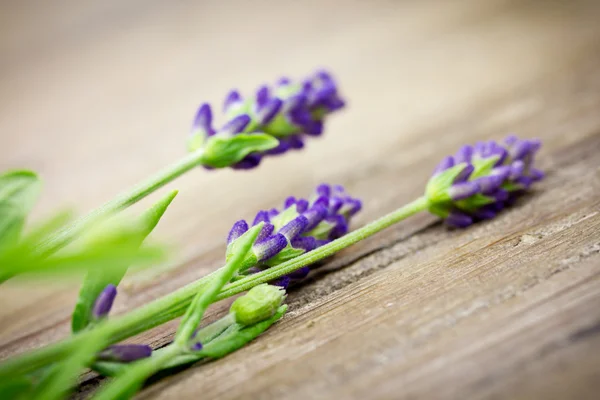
(19, 191)
(97, 279)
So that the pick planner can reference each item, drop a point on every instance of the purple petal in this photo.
(261, 216)
(265, 232)
(500, 195)
(510, 140)
(299, 273)
(516, 169)
(335, 203)
(463, 190)
(300, 118)
(239, 228)
(301, 205)
(446, 163)
(485, 213)
(536, 174)
(294, 104)
(294, 228)
(197, 346)
(283, 282)
(269, 111)
(314, 216)
(295, 142)
(269, 247)
(352, 207)
(104, 301)
(290, 201)
(125, 352)
(458, 219)
(313, 128)
(520, 150)
(283, 81)
(464, 155)
(502, 172)
(248, 162)
(306, 243)
(236, 125)
(282, 147)
(321, 201)
(273, 212)
(203, 120)
(262, 96)
(340, 226)
(323, 190)
(232, 98)
(465, 173)
(489, 184)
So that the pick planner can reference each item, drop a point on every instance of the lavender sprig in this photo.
(301, 226)
(286, 113)
(479, 181)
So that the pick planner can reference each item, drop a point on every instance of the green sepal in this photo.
(233, 247)
(436, 190)
(195, 141)
(483, 166)
(224, 151)
(321, 231)
(19, 191)
(284, 255)
(474, 202)
(285, 216)
(97, 279)
(511, 186)
(442, 210)
(260, 303)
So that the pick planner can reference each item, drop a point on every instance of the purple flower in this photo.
(301, 226)
(104, 302)
(125, 352)
(289, 111)
(479, 181)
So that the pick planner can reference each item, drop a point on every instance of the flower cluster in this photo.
(301, 226)
(288, 112)
(479, 181)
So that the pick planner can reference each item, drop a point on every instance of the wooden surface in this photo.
(97, 95)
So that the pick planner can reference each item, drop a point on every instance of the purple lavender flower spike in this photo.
(125, 353)
(295, 227)
(494, 175)
(262, 96)
(239, 228)
(303, 226)
(295, 142)
(249, 162)
(269, 247)
(104, 301)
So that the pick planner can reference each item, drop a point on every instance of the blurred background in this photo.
(97, 95)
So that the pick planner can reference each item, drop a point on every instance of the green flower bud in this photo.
(259, 304)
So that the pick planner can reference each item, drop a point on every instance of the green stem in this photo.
(122, 201)
(174, 304)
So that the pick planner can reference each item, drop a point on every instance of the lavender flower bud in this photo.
(481, 180)
(125, 352)
(260, 303)
(104, 302)
(301, 226)
(274, 121)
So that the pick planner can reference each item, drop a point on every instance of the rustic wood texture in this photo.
(97, 95)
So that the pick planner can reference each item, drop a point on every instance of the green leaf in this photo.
(97, 279)
(224, 151)
(19, 191)
(16, 388)
(228, 343)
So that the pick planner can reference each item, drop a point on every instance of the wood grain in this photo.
(96, 96)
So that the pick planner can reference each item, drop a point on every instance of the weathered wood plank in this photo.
(507, 309)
